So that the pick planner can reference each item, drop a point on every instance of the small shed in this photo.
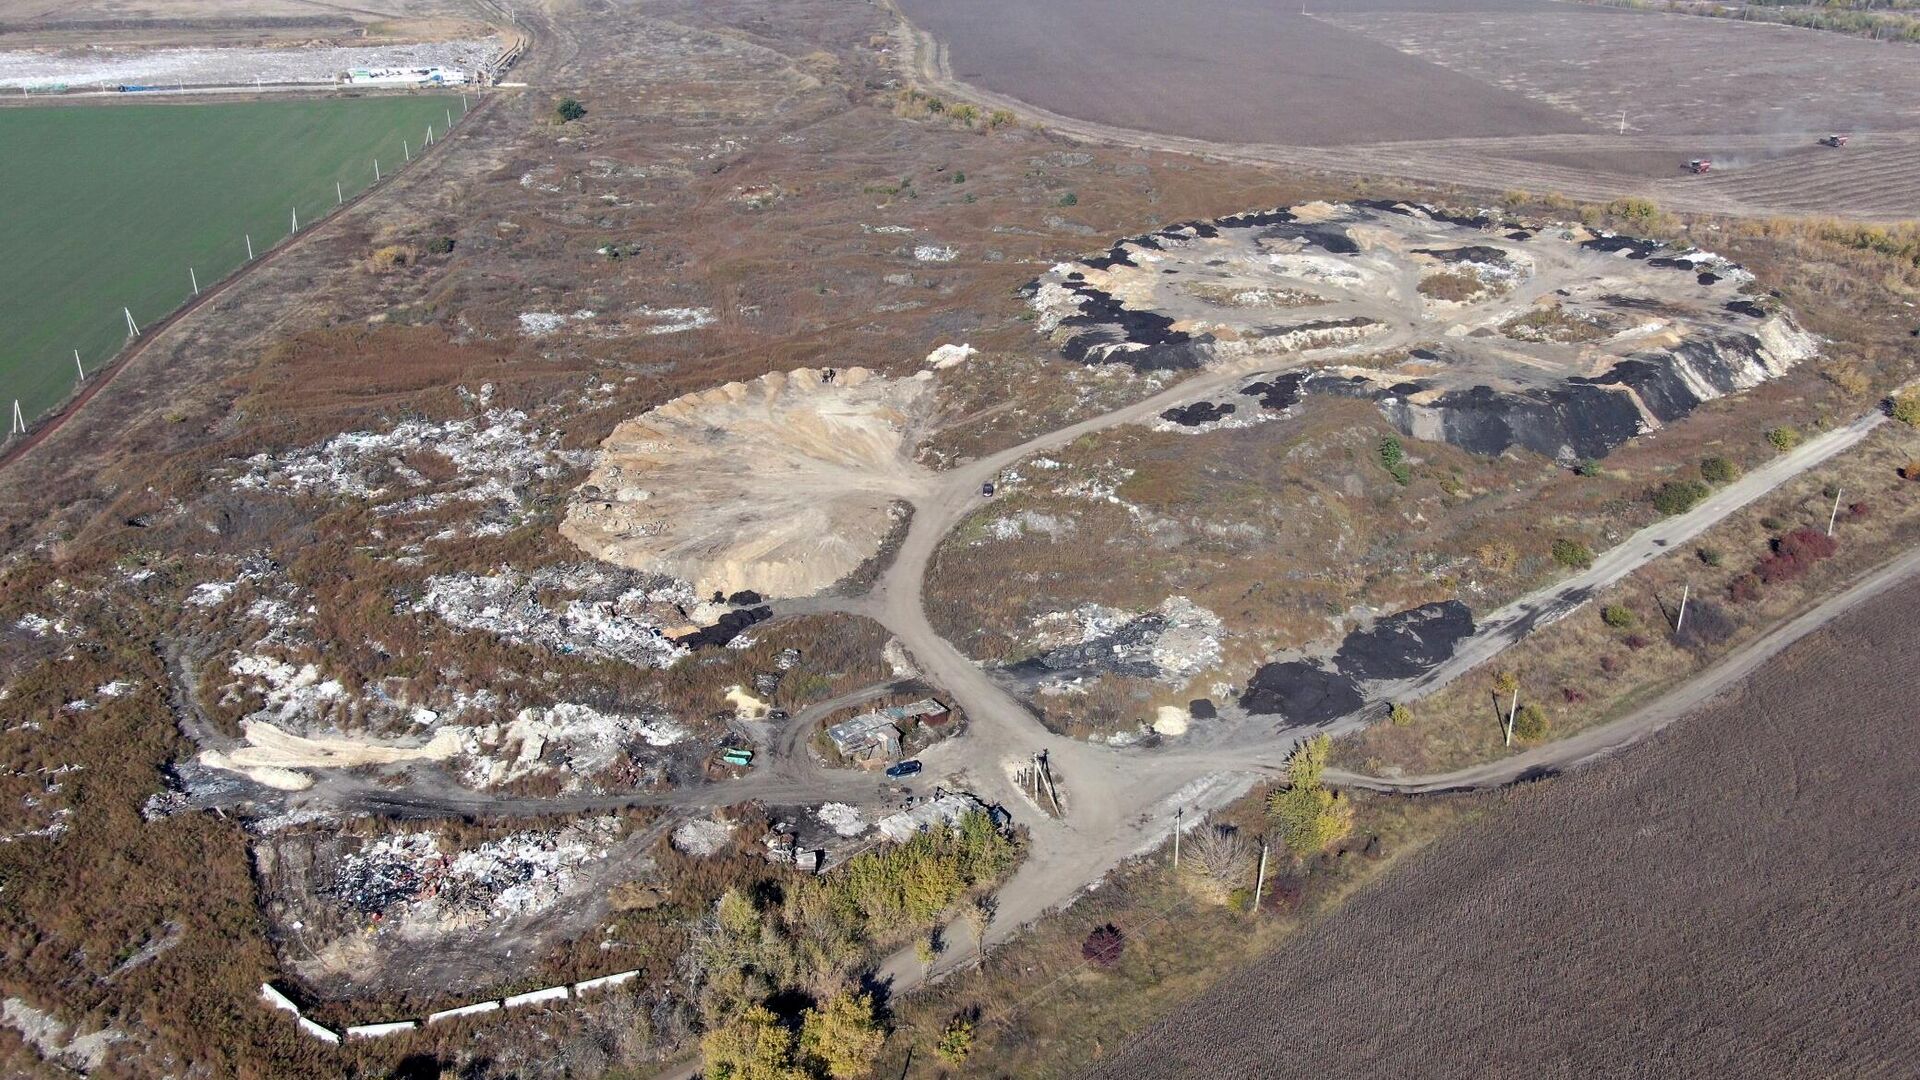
(869, 737)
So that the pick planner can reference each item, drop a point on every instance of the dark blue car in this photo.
(903, 768)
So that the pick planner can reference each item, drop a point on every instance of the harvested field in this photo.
(1499, 96)
(1233, 72)
(1738, 901)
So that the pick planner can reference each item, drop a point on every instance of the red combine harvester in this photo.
(1700, 165)
(1835, 141)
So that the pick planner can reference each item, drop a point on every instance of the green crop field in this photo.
(106, 207)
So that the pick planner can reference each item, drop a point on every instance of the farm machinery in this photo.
(1700, 165)
(1835, 141)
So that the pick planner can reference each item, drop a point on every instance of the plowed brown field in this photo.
(1737, 898)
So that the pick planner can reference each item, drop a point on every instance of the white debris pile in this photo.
(576, 740)
(546, 323)
(1103, 485)
(1030, 522)
(673, 320)
(843, 819)
(252, 570)
(1173, 643)
(702, 837)
(40, 626)
(946, 809)
(290, 692)
(605, 612)
(408, 880)
(493, 455)
(1053, 302)
(949, 356)
(935, 253)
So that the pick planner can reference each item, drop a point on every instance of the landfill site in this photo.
(814, 540)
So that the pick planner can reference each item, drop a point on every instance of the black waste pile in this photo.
(1200, 412)
(1400, 646)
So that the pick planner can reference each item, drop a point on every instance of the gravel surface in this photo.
(40, 69)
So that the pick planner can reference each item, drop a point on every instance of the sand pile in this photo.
(782, 485)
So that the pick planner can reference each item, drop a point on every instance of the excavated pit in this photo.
(780, 487)
(1548, 337)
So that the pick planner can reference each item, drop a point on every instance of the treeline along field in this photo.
(106, 207)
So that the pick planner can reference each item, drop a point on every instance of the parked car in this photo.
(903, 768)
(986, 490)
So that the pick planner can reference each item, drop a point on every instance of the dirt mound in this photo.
(1551, 337)
(783, 485)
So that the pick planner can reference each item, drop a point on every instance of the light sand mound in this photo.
(782, 485)
(270, 754)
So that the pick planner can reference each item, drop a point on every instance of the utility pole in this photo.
(1623, 121)
(1513, 710)
(450, 118)
(76, 365)
(405, 150)
(1835, 515)
(133, 328)
(296, 222)
(1260, 878)
(194, 279)
(339, 199)
(19, 421)
(1177, 812)
(249, 237)
(1682, 619)
(376, 170)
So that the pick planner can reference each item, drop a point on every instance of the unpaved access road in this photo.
(1120, 803)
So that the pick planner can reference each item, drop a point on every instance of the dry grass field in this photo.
(1735, 898)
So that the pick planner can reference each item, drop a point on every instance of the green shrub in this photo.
(1400, 715)
(1711, 556)
(1618, 616)
(1718, 470)
(440, 245)
(1784, 438)
(1640, 212)
(1393, 458)
(569, 110)
(956, 1042)
(1572, 554)
(1069, 199)
(1906, 408)
(1588, 467)
(1530, 723)
(1679, 496)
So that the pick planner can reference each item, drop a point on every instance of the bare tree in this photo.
(1220, 860)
